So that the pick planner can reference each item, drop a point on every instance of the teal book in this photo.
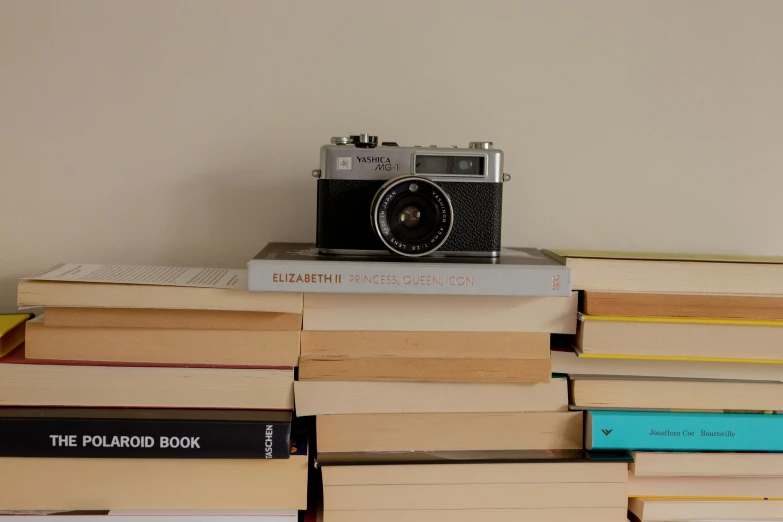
(681, 431)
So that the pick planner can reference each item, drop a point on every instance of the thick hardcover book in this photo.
(144, 433)
(298, 267)
(682, 431)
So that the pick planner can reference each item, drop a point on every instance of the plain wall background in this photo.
(184, 132)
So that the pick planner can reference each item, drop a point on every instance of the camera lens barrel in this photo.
(412, 216)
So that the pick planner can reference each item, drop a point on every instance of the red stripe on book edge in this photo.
(17, 356)
(137, 407)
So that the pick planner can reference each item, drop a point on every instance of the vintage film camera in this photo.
(411, 201)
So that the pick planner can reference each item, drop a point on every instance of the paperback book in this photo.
(683, 431)
(473, 457)
(298, 267)
(646, 272)
(144, 433)
(156, 484)
(140, 516)
(76, 285)
(28, 382)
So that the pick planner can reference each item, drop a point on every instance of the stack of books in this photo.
(152, 388)
(680, 359)
(442, 407)
(706, 486)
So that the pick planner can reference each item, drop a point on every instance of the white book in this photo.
(298, 267)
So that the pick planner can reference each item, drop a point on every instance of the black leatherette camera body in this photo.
(345, 222)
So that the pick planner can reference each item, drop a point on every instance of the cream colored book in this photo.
(357, 397)
(464, 345)
(32, 294)
(442, 313)
(568, 362)
(162, 345)
(486, 357)
(476, 496)
(153, 484)
(549, 514)
(728, 488)
(496, 492)
(66, 384)
(712, 464)
(424, 369)
(176, 319)
(719, 340)
(448, 432)
(672, 273)
(715, 306)
(640, 394)
(674, 510)
(552, 472)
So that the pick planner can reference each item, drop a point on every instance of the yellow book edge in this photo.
(12, 331)
(677, 320)
(10, 321)
(581, 354)
(8, 349)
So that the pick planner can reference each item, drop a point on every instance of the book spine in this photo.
(112, 438)
(408, 278)
(678, 431)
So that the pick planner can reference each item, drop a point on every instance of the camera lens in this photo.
(412, 216)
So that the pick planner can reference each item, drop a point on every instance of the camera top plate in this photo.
(359, 157)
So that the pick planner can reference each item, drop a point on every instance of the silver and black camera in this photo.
(411, 201)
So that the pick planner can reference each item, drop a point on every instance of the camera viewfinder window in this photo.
(450, 165)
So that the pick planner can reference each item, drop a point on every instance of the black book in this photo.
(144, 433)
(471, 457)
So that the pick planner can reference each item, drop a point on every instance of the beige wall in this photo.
(184, 132)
